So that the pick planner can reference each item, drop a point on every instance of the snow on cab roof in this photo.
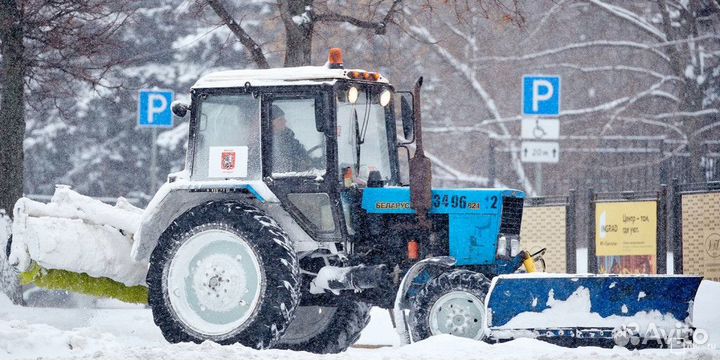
(303, 75)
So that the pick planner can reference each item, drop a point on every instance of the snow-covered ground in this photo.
(129, 333)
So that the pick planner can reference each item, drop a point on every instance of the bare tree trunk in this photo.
(692, 97)
(299, 25)
(12, 106)
(299, 48)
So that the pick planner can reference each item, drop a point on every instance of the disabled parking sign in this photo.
(541, 95)
(154, 108)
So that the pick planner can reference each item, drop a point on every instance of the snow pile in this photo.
(4, 228)
(131, 334)
(327, 274)
(79, 234)
(576, 311)
(706, 316)
(9, 283)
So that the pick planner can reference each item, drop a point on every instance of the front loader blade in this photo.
(599, 307)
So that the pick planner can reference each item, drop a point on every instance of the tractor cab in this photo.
(308, 134)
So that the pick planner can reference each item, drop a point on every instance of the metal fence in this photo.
(630, 231)
(696, 228)
(548, 223)
(612, 163)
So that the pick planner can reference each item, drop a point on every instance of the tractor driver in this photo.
(289, 155)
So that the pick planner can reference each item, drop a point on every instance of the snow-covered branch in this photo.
(661, 124)
(610, 68)
(631, 17)
(470, 75)
(577, 46)
(705, 128)
(557, 6)
(633, 99)
(686, 114)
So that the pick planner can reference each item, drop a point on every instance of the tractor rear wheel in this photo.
(225, 272)
(326, 329)
(452, 303)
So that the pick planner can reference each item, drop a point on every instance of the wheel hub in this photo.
(458, 313)
(219, 282)
(214, 282)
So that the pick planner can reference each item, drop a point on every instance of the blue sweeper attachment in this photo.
(603, 310)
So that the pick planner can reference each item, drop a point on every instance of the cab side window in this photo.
(298, 149)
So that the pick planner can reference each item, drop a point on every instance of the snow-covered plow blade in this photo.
(601, 310)
(79, 244)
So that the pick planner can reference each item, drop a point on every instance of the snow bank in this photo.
(4, 229)
(706, 312)
(131, 334)
(79, 234)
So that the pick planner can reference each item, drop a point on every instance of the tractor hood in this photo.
(396, 200)
(477, 218)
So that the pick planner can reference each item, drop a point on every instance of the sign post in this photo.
(540, 98)
(154, 112)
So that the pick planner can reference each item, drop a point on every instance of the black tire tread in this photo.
(270, 242)
(420, 305)
(344, 330)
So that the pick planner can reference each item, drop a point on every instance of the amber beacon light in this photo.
(335, 58)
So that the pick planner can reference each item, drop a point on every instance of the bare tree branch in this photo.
(256, 53)
(667, 27)
(286, 17)
(379, 27)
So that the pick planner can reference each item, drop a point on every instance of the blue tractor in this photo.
(291, 219)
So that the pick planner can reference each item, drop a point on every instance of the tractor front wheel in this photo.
(452, 303)
(225, 272)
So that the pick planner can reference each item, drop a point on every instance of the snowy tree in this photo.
(99, 149)
(299, 20)
(641, 68)
(49, 47)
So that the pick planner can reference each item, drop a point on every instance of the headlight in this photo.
(502, 246)
(514, 247)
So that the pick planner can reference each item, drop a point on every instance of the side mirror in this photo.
(408, 116)
(179, 109)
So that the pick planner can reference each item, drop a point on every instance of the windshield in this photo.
(361, 126)
(228, 138)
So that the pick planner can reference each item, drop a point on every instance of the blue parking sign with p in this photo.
(541, 95)
(154, 108)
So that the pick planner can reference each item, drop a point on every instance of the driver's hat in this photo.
(276, 112)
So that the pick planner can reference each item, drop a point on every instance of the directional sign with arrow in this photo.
(540, 152)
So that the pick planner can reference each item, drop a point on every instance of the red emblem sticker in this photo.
(228, 161)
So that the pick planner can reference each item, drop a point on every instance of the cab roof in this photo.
(303, 75)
